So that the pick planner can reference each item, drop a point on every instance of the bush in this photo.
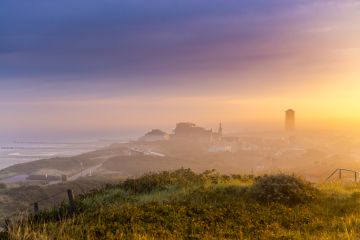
(160, 181)
(281, 188)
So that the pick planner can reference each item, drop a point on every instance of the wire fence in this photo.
(30, 207)
(34, 206)
(339, 174)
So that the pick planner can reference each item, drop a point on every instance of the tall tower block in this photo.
(289, 120)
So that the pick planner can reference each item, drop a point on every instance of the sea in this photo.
(16, 152)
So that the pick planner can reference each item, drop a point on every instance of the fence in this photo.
(70, 195)
(35, 206)
(340, 172)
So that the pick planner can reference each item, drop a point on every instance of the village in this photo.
(198, 148)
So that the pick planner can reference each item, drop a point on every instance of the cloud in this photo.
(134, 44)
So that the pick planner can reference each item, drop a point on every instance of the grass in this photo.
(20, 198)
(185, 205)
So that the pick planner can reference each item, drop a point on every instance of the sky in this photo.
(99, 67)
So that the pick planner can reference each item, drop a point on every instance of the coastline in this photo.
(14, 153)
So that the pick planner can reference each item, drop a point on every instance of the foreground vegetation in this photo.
(20, 197)
(185, 205)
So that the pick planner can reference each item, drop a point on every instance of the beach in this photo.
(17, 152)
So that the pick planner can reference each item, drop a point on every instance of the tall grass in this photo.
(185, 205)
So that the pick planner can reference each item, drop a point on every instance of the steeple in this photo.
(220, 129)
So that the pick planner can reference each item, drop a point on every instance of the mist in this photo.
(170, 120)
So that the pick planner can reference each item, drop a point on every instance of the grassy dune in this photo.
(185, 205)
(21, 198)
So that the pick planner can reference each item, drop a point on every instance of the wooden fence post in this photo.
(340, 174)
(71, 199)
(7, 224)
(355, 176)
(36, 207)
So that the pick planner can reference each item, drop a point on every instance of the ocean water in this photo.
(13, 152)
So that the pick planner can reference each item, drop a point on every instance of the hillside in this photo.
(186, 205)
(62, 165)
(20, 198)
(120, 160)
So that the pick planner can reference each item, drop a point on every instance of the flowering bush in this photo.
(282, 188)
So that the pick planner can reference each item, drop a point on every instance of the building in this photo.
(219, 148)
(155, 135)
(189, 131)
(289, 120)
(220, 130)
(217, 137)
(219, 143)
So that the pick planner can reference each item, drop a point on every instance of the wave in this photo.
(32, 155)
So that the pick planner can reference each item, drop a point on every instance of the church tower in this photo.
(220, 130)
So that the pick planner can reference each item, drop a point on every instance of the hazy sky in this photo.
(96, 66)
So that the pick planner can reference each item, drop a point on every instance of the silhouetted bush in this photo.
(281, 188)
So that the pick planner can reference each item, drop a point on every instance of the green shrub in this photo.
(282, 188)
(160, 181)
(214, 207)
